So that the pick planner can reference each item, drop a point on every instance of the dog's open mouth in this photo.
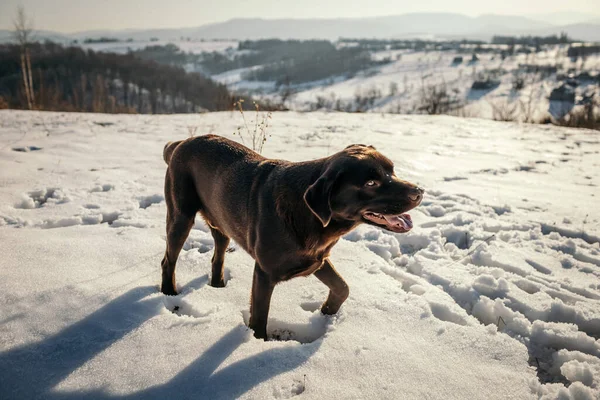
(396, 223)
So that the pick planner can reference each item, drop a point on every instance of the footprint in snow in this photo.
(311, 306)
(308, 332)
(147, 201)
(454, 178)
(443, 313)
(26, 149)
(102, 188)
(39, 198)
(182, 308)
(297, 387)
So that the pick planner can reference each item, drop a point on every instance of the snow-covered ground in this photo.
(494, 294)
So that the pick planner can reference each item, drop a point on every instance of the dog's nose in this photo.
(416, 194)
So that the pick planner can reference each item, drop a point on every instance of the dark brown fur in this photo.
(286, 215)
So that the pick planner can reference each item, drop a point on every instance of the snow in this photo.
(411, 71)
(494, 294)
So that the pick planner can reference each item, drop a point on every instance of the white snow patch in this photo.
(495, 293)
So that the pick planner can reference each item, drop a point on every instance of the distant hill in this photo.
(566, 17)
(398, 26)
(430, 25)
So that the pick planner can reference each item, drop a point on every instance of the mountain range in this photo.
(414, 25)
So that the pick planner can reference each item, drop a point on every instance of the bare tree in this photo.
(286, 92)
(393, 88)
(584, 57)
(504, 110)
(23, 35)
(582, 117)
(437, 98)
(23, 28)
(528, 104)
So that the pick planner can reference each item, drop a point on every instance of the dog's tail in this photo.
(169, 149)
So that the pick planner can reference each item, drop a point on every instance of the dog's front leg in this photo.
(260, 300)
(338, 289)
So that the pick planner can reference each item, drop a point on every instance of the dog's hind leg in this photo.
(338, 289)
(260, 301)
(181, 212)
(177, 231)
(221, 243)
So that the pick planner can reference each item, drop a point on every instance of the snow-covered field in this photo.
(412, 71)
(494, 294)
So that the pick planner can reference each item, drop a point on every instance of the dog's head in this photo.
(358, 184)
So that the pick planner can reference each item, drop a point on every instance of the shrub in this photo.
(504, 110)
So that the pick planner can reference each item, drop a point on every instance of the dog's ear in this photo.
(318, 197)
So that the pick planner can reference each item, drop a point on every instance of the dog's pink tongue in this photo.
(403, 221)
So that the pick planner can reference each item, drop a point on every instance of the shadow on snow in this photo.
(33, 370)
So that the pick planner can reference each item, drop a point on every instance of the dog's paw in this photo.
(261, 334)
(218, 283)
(168, 291)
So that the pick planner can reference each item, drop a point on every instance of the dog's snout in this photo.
(415, 197)
(416, 194)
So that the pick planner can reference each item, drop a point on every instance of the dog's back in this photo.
(215, 176)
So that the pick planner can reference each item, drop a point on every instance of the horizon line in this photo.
(527, 16)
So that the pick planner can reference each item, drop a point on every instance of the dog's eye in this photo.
(371, 183)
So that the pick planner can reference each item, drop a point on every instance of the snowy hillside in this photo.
(513, 87)
(398, 86)
(494, 294)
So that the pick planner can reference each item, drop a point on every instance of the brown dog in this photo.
(286, 215)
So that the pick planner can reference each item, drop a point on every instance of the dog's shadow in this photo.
(199, 380)
(32, 371)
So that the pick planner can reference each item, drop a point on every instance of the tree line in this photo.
(73, 79)
(290, 61)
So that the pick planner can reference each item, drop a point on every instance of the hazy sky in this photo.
(79, 15)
